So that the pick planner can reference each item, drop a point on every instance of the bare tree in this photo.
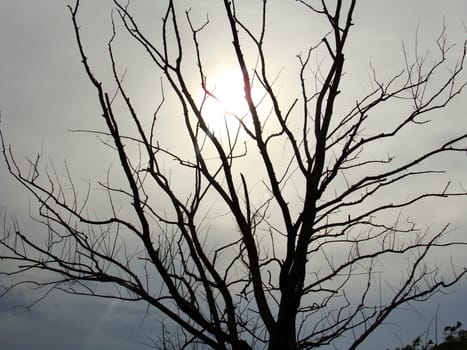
(298, 265)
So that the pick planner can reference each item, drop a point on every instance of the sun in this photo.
(226, 104)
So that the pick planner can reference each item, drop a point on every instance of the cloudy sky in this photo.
(44, 93)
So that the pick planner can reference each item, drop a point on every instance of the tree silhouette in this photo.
(455, 338)
(272, 229)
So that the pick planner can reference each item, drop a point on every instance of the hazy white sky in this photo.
(43, 93)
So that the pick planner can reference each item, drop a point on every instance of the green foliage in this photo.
(454, 338)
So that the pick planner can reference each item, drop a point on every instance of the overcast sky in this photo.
(44, 93)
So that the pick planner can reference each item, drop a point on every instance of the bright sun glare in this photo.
(228, 104)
